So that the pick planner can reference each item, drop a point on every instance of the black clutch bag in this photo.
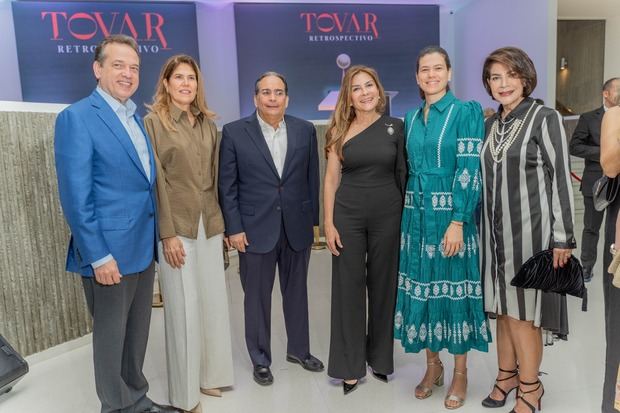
(538, 273)
(604, 192)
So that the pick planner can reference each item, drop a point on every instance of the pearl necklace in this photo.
(502, 140)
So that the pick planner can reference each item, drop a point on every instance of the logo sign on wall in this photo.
(313, 44)
(56, 44)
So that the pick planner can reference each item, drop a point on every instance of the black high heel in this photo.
(348, 388)
(492, 403)
(380, 376)
(528, 404)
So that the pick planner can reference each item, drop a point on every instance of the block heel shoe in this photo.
(421, 391)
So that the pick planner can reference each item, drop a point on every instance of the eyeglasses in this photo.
(268, 92)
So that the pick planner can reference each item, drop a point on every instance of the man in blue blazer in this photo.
(106, 181)
(269, 193)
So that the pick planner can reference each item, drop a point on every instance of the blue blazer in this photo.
(107, 199)
(253, 197)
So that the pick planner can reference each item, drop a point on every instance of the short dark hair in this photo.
(608, 82)
(430, 50)
(271, 73)
(516, 60)
(115, 38)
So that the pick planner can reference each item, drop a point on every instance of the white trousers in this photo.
(198, 343)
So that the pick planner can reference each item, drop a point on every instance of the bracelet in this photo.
(460, 224)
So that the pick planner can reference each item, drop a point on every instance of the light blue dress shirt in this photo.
(125, 114)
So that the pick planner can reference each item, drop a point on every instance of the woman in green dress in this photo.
(439, 303)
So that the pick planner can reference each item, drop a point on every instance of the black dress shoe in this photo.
(348, 388)
(310, 363)
(380, 376)
(158, 408)
(587, 277)
(262, 375)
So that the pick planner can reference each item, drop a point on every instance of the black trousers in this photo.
(121, 320)
(592, 220)
(257, 272)
(611, 295)
(368, 221)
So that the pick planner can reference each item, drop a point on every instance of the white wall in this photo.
(10, 88)
(218, 59)
(612, 46)
(485, 25)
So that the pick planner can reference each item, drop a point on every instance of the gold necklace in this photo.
(501, 141)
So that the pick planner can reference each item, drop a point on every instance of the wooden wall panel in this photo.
(582, 43)
(41, 305)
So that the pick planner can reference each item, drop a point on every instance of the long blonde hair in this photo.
(161, 99)
(344, 113)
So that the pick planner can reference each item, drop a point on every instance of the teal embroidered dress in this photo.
(439, 302)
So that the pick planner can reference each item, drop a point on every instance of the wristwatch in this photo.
(612, 249)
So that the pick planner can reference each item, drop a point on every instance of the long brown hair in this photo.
(161, 99)
(344, 113)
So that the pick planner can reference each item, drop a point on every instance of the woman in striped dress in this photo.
(439, 301)
(527, 208)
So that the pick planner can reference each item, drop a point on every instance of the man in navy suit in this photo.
(106, 181)
(269, 193)
(586, 143)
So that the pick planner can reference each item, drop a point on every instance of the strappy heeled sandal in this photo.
(523, 393)
(451, 397)
(421, 391)
(492, 403)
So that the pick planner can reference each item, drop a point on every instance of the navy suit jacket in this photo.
(253, 197)
(107, 199)
(586, 143)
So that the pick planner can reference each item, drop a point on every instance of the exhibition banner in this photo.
(56, 43)
(313, 44)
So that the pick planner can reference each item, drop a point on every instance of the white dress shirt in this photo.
(276, 141)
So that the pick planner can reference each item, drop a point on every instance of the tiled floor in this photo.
(61, 379)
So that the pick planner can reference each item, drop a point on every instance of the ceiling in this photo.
(584, 9)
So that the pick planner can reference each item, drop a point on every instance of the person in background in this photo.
(586, 144)
(363, 197)
(610, 163)
(527, 208)
(186, 145)
(439, 302)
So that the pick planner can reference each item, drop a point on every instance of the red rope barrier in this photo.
(575, 176)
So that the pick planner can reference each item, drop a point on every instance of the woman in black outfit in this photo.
(363, 199)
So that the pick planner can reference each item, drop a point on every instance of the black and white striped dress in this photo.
(527, 207)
